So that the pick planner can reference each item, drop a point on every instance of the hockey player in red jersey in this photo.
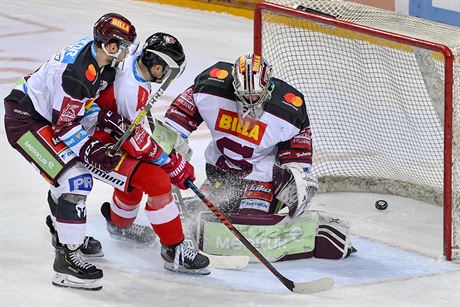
(259, 159)
(45, 121)
(147, 169)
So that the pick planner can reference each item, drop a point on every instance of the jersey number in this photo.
(244, 151)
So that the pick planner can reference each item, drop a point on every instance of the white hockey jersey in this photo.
(126, 96)
(129, 92)
(280, 135)
(61, 88)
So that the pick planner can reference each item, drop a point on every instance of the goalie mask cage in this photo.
(382, 94)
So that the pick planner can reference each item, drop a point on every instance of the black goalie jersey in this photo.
(281, 134)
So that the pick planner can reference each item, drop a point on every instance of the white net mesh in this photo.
(376, 106)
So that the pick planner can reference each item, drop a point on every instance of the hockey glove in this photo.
(140, 145)
(96, 154)
(112, 123)
(294, 187)
(179, 170)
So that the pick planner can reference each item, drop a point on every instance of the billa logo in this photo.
(90, 73)
(256, 60)
(251, 130)
(242, 64)
(296, 101)
(121, 24)
(219, 73)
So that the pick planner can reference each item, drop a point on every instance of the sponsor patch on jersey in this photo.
(39, 154)
(70, 109)
(292, 100)
(90, 73)
(260, 190)
(120, 24)
(302, 140)
(251, 131)
(185, 102)
(255, 204)
(81, 183)
(76, 138)
(47, 134)
(218, 74)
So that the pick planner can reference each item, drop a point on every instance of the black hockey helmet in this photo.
(160, 48)
(113, 26)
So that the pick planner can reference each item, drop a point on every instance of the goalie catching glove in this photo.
(294, 187)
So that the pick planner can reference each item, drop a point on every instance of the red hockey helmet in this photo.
(113, 26)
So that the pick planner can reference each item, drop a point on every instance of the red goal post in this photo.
(383, 94)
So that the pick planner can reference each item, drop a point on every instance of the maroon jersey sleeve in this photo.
(298, 149)
(183, 113)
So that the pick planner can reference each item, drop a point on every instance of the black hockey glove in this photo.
(97, 154)
(112, 123)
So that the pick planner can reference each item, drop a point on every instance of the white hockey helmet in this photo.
(252, 82)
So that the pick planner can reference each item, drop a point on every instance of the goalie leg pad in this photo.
(276, 237)
(333, 237)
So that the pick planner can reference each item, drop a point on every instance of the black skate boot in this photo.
(90, 248)
(72, 270)
(181, 258)
(138, 233)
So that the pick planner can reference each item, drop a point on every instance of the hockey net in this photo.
(383, 96)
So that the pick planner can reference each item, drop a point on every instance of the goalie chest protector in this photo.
(250, 151)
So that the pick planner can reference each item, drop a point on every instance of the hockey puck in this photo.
(381, 204)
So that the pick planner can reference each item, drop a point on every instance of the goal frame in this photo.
(448, 89)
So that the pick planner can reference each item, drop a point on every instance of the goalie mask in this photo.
(252, 82)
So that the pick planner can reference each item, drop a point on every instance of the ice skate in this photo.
(181, 258)
(72, 270)
(138, 233)
(90, 248)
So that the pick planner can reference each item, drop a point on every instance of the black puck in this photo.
(381, 204)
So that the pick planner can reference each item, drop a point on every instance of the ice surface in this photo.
(398, 262)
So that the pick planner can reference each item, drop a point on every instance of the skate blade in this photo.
(203, 271)
(126, 239)
(69, 281)
(100, 254)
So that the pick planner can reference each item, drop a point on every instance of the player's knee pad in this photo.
(71, 208)
(71, 218)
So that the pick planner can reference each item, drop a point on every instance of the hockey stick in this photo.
(314, 286)
(166, 138)
(146, 110)
(216, 261)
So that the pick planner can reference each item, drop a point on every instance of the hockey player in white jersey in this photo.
(150, 165)
(45, 122)
(258, 161)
